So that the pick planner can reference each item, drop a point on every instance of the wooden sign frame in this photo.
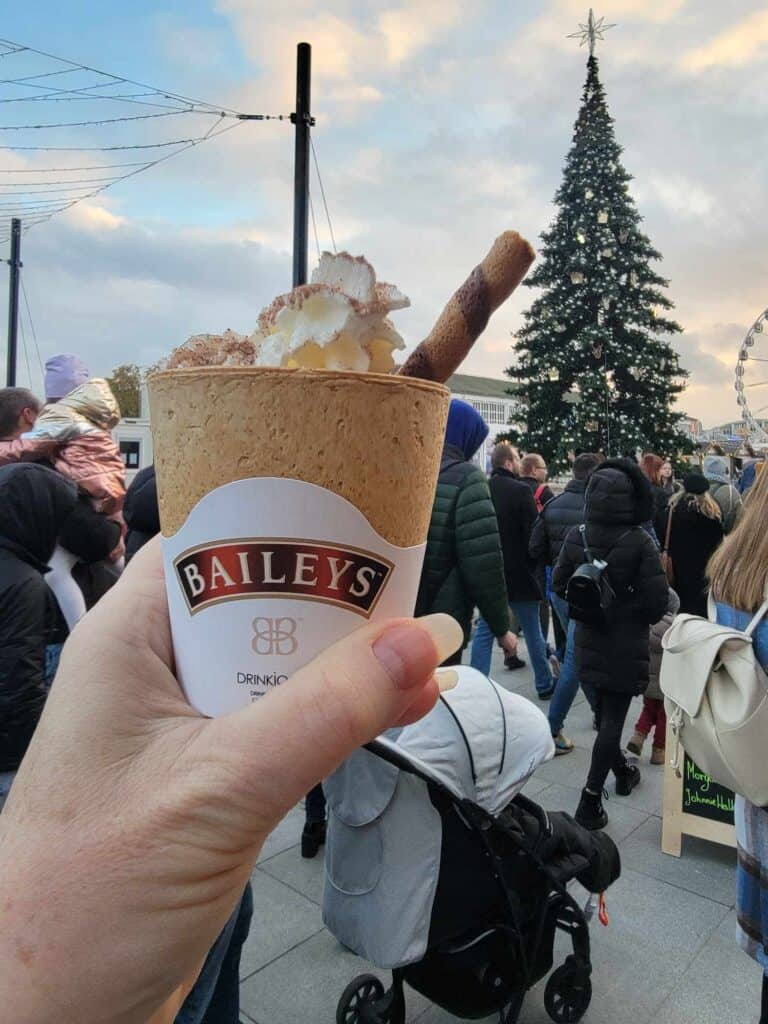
(676, 822)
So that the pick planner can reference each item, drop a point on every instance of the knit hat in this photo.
(63, 374)
(716, 468)
(695, 483)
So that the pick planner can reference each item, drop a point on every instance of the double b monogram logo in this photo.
(274, 636)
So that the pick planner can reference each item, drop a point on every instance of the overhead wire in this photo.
(31, 322)
(314, 224)
(322, 193)
(75, 82)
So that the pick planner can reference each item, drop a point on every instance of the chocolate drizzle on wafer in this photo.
(474, 302)
(467, 314)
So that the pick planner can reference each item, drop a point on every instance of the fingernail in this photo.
(411, 651)
(446, 679)
(447, 635)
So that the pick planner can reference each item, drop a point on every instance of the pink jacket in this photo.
(73, 435)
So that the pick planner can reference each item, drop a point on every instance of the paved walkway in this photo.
(668, 957)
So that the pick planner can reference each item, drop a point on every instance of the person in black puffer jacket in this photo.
(38, 508)
(613, 659)
(140, 511)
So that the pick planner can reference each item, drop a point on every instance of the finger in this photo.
(422, 705)
(135, 610)
(372, 679)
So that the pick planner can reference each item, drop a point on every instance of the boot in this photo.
(312, 838)
(590, 813)
(658, 755)
(626, 779)
(635, 745)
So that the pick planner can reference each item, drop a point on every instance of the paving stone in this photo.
(304, 875)
(304, 986)
(287, 834)
(705, 868)
(281, 919)
(622, 819)
(569, 770)
(535, 786)
(722, 984)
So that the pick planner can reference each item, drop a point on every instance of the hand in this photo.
(508, 643)
(134, 823)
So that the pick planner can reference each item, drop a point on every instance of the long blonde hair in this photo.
(703, 503)
(738, 570)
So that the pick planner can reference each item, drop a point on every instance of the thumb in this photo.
(378, 676)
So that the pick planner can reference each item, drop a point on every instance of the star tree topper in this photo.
(591, 32)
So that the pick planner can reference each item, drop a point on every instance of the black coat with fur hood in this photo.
(618, 499)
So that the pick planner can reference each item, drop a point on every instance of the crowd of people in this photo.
(501, 559)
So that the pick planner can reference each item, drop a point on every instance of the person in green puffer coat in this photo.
(463, 565)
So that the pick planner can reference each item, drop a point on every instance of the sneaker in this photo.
(512, 663)
(635, 745)
(658, 755)
(555, 666)
(626, 779)
(312, 838)
(547, 694)
(590, 813)
(562, 744)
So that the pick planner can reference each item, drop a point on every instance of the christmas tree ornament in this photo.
(607, 253)
(623, 236)
(634, 280)
(581, 237)
(588, 193)
(602, 216)
(577, 277)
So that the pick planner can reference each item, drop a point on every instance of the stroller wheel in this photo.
(568, 993)
(356, 1002)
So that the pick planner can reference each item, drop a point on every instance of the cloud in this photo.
(408, 30)
(680, 196)
(438, 127)
(736, 47)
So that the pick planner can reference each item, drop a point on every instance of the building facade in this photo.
(498, 408)
(134, 439)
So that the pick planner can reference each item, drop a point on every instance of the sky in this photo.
(440, 123)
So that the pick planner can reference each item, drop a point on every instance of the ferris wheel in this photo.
(751, 378)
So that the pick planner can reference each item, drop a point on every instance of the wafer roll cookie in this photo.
(467, 314)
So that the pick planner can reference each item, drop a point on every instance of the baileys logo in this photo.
(282, 567)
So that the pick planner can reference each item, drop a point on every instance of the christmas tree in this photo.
(595, 370)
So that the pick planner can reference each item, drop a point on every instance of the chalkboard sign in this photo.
(694, 805)
(703, 797)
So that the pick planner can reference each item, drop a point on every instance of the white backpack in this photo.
(717, 701)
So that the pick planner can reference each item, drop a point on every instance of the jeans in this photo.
(567, 685)
(528, 616)
(215, 996)
(611, 711)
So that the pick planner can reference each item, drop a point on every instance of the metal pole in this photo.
(13, 301)
(303, 121)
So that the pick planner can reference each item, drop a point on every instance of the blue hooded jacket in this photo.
(466, 428)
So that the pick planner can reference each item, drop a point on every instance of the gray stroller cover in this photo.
(384, 838)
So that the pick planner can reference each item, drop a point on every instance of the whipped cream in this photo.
(339, 321)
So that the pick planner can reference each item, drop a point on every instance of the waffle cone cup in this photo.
(246, 539)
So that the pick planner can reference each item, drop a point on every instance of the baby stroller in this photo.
(438, 868)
